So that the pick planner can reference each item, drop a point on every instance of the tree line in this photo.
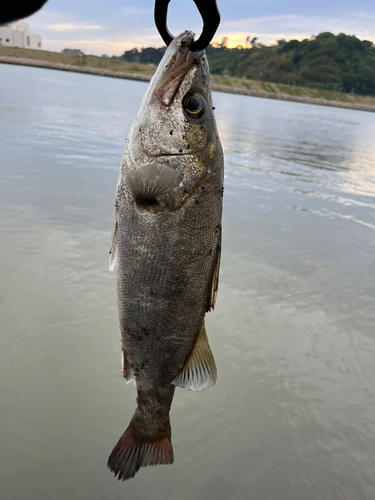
(326, 61)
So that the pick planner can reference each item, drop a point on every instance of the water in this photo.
(293, 413)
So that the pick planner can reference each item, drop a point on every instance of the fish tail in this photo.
(135, 450)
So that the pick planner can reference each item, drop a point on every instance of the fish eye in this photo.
(194, 105)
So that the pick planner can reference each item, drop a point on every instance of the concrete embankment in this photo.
(147, 78)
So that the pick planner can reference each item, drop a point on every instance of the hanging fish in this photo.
(166, 249)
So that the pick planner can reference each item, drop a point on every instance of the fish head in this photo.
(176, 123)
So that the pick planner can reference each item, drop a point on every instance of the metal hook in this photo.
(17, 9)
(211, 20)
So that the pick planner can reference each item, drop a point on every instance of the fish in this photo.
(166, 248)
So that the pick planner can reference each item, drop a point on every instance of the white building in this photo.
(17, 35)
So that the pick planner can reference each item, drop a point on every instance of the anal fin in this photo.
(199, 371)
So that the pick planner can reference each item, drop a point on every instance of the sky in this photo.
(113, 26)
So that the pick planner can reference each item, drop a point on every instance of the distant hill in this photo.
(328, 62)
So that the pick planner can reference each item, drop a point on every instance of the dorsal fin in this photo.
(149, 181)
(199, 372)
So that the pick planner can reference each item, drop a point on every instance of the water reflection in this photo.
(311, 155)
(311, 136)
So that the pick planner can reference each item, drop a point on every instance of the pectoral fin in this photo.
(199, 372)
(150, 180)
(126, 370)
(214, 280)
(113, 249)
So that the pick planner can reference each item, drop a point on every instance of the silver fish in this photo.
(166, 248)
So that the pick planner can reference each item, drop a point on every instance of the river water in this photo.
(292, 415)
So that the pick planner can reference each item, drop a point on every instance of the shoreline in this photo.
(146, 78)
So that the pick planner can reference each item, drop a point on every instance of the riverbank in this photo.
(117, 69)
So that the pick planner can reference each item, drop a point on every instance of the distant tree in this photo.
(147, 55)
(253, 43)
(224, 42)
(333, 62)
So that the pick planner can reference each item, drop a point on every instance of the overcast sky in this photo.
(112, 26)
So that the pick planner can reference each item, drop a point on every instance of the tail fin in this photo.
(134, 451)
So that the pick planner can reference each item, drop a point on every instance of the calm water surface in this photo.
(292, 415)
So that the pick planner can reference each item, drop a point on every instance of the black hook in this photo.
(16, 9)
(211, 20)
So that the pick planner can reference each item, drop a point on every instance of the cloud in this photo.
(111, 45)
(73, 27)
(269, 29)
(44, 17)
(96, 47)
(61, 31)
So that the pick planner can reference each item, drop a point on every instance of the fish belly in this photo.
(164, 266)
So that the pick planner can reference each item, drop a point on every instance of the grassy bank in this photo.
(111, 67)
(293, 91)
(95, 62)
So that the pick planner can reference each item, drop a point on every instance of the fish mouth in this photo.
(179, 65)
